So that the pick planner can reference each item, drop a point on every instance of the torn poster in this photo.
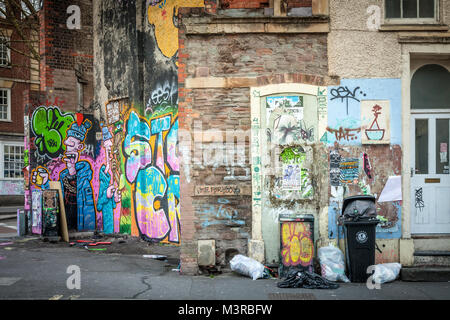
(392, 190)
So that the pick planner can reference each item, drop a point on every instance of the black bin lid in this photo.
(349, 200)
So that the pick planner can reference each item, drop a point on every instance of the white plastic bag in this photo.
(247, 266)
(332, 263)
(386, 272)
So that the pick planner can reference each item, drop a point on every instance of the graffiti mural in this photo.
(108, 194)
(152, 168)
(49, 127)
(59, 141)
(162, 15)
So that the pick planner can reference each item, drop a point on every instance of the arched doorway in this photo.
(430, 131)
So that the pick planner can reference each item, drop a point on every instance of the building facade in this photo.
(18, 74)
(212, 121)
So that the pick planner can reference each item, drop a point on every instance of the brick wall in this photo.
(271, 58)
(64, 50)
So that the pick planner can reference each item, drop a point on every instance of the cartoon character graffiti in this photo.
(49, 126)
(108, 194)
(76, 178)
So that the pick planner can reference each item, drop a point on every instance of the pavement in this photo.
(33, 269)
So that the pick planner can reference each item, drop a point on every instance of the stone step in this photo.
(432, 258)
(425, 274)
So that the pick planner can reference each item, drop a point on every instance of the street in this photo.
(33, 269)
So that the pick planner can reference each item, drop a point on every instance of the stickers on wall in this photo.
(295, 175)
(349, 170)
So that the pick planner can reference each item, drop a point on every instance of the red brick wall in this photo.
(17, 71)
(63, 50)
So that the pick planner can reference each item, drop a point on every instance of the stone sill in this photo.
(258, 25)
(413, 27)
(424, 37)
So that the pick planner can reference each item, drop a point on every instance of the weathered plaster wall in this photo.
(354, 51)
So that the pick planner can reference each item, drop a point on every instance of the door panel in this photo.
(430, 179)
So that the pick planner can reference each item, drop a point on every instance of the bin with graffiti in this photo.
(296, 242)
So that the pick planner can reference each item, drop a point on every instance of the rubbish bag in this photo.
(307, 280)
(332, 263)
(247, 267)
(386, 272)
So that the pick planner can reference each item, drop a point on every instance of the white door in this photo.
(430, 178)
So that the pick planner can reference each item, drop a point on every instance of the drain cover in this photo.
(291, 296)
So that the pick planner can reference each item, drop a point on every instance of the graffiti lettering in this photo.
(297, 247)
(345, 93)
(152, 166)
(344, 133)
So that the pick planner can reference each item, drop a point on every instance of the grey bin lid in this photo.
(359, 207)
(296, 217)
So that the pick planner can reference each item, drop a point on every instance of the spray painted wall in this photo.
(364, 144)
(136, 99)
(62, 148)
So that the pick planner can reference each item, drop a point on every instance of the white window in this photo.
(5, 52)
(411, 11)
(5, 104)
(11, 156)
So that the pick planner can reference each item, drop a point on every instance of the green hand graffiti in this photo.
(50, 126)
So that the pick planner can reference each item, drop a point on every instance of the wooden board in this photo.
(63, 223)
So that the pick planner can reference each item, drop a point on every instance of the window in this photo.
(36, 4)
(417, 10)
(12, 161)
(2, 10)
(4, 52)
(5, 104)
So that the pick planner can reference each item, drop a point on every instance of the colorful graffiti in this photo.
(162, 15)
(296, 244)
(151, 166)
(59, 140)
(49, 126)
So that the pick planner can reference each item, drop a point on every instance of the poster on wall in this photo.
(285, 119)
(375, 123)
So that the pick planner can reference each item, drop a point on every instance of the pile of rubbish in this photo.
(307, 280)
(332, 265)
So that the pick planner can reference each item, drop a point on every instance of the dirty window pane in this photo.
(430, 88)
(426, 9)
(409, 8)
(442, 135)
(421, 146)
(393, 9)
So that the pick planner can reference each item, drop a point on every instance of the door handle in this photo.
(412, 172)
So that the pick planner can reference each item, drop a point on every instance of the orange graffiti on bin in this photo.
(297, 247)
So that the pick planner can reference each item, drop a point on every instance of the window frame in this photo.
(3, 144)
(8, 112)
(8, 52)
(434, 20)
